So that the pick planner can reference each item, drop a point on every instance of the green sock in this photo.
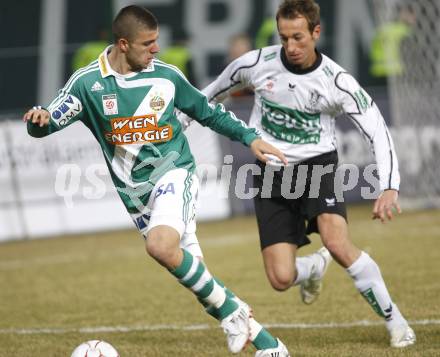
(211, 310)
(264, 340)
(228, 292)
(193, 274)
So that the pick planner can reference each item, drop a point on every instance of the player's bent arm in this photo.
(225, 123)
(235, 76)
(365, 114)
(195, 104)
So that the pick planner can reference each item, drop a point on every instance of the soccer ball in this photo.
(95, 348)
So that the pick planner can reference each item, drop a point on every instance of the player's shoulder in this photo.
(83, 76)
(257, 56)
(330, 68)
(335, 72)
(167, 70)
(270, 53)
(91, 70)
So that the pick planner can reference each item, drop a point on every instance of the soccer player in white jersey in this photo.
(298, 94)
(127, 98)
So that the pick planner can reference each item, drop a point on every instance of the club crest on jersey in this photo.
(157, 103)
(268, 86)
(110, 104)
(314, 98)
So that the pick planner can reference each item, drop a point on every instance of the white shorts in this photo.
(173, 203)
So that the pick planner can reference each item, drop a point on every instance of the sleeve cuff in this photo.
(249, 138)
(36, 131)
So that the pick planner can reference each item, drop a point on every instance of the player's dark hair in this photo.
(130, 20)
(291, 9)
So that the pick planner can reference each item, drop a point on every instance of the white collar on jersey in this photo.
(106, 70)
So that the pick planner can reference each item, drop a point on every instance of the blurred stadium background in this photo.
(59, 187)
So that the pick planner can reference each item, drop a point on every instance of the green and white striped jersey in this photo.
(134, 121)
(295, 110)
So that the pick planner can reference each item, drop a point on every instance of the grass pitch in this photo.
(57, 293)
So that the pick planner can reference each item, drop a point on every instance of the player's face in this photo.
(141, 50)
(297, 40)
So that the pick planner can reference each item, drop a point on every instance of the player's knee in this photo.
(332, 243)
(280, 285)
(332, 231)
(153, 246)
(330, 222)
(281, 280)
(160, 246)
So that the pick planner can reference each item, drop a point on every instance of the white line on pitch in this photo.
(126, 329)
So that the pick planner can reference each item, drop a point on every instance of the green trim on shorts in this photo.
(187, 196)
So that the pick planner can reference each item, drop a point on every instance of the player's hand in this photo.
(260, 147)
(385, 205)
(38, 116)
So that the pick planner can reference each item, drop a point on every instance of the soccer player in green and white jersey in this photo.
(127, 99)
(298, 94)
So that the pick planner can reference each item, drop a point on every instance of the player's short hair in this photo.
(291, 9)
(130, 20)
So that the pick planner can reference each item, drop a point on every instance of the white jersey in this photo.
(295, 110)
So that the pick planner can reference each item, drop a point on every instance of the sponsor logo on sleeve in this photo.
(362, 100)
(138, 130)
(270, 56)
(328, 71)
(68, 109)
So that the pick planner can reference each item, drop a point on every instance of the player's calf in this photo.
(193, 274)
(368, 280)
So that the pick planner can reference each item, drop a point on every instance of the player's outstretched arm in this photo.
(385, 204)
(365, 114)
(260, 148)
(235, 76)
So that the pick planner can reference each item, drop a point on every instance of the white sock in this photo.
(255, 328)
(368, 280)
(308, 265)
